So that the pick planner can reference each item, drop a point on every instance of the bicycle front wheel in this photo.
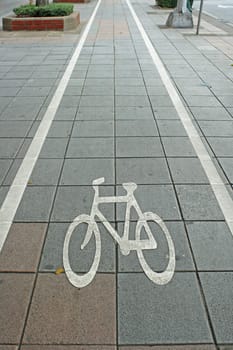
(157, 277)
(76, 279)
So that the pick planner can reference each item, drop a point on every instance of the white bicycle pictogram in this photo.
(126, 245)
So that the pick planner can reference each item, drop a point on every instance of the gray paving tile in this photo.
(12, 83)
(178, 147)
(212, 245)
(217, 128)
(227, 165)
(91, 148)
(97, 90)
(217, 287)
(182, 318)
(210, 113)
(132, 101)
(35, 91)
(166, 113)
(66, 113)
(171, 128)
(21, 101)
(9, 147)
(60, 129)
(202, 101)
(157, 90)
(136, 128)
(139, 113)
(95, 113)
(76, 82)
(3, 193)
(93, 82)
(157, 259)
(14, 128)
(5, 165)
(97, 101)
(24, 112)
(80, 260)
(93, 129)
(187, 170)
(70, 101)
(54, 148)
(84, 171)
(129, 82)
(130, 90)
(138, 147)
(46, 172)
(159, 199)
(9, 91)
(40, 82)
(198, 202)
(72, 201)
(221, 146)
(73, 91)
(4, 102)
(226, 100)
(36, 204)
(160, 101)
(142, 171)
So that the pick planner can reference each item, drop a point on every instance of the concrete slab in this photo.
(136, 128)
(159, 199)
(90, 147)
(55, 296)
(142, 171)
(72, 201)
(178, 147)
(187, 171)
(15, 298)
(198, 202)
(217, 288)
(93, 129)
(182, 317)
(9, 147)
(31, 210)
(157, 259)
(222, 147)
(211, 245)
(80, 260)
(84, 171)
(22, 249)
(138, 147)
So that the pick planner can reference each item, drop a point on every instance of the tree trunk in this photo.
(181, 17)
(42, 2)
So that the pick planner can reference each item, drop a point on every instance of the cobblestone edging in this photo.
(12, 23)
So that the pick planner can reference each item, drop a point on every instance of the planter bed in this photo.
(62, 23)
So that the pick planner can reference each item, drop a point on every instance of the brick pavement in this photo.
(117, 120)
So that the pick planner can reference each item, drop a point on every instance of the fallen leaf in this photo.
(59, 270)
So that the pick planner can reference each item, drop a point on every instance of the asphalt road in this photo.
(221, 9)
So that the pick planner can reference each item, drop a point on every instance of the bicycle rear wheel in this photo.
(157, 277)
(76, 279)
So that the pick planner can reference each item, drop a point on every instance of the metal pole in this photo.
(199, 17)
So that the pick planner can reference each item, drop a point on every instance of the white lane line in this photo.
(221, 193)
(16, 191)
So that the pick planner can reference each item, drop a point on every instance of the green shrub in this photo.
(51, 10)
(167, 3)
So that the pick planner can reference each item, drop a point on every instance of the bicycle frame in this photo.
(126, 245)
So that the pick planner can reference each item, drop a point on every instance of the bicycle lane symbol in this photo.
(126, 245)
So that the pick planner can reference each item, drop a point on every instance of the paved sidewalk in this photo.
(117, 121)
